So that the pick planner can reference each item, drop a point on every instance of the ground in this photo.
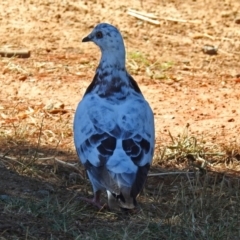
(194, 96)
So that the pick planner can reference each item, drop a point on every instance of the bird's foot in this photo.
(94, 202)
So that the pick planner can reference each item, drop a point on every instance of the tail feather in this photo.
(122, 200)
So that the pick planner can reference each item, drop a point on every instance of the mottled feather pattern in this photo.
(114, 125)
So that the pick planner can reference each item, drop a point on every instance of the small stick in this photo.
(167, 173)
(10, 158)
(197, 36)
(72, 165)
(15, 53)
(6, 157)
(179, 20)
(136, 15)
(45, 158)
(149, 15)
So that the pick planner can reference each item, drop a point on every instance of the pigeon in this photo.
(114, 126)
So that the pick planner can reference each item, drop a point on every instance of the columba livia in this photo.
(114, 126)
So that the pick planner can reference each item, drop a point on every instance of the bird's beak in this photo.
(87, 39)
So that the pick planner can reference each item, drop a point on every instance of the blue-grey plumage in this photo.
(114, 125)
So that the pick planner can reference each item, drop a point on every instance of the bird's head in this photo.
(109, 39)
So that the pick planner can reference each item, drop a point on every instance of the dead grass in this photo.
(40, 198)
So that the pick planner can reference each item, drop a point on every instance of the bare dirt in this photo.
(191, 87)
(183, 85)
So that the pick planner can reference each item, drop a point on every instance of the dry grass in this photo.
(40, 200)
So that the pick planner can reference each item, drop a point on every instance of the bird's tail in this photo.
(122, 200)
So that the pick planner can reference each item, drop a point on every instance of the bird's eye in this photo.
(99, 34)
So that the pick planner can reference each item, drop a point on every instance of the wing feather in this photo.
(115, 144)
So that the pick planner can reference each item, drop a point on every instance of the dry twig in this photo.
(143, 17)
(15, 53)
(149, 17)
(167, 173)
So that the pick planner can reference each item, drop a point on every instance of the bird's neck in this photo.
(111, 77)
(114, 59)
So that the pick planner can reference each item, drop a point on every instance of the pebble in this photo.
(237, 20)
(209, 49)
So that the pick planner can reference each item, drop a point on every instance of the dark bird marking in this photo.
(135, 149)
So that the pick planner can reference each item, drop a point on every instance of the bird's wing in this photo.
(115, 143)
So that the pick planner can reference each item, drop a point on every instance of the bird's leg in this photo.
(95, 201)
